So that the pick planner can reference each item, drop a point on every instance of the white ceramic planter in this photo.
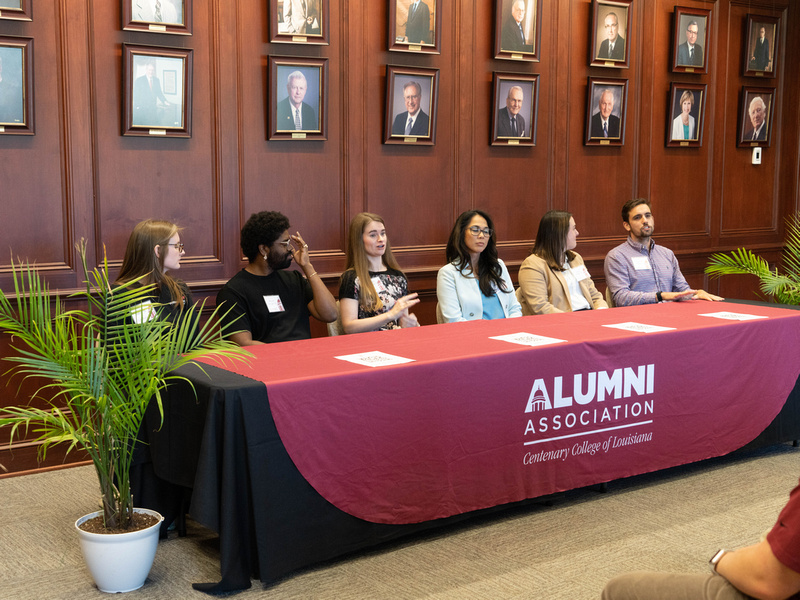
(119, 562)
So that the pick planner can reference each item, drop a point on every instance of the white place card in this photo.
(639, 327)
(527, 339)
(375, 359)
(732, 316)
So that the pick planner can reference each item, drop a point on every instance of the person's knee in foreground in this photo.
(768, 570)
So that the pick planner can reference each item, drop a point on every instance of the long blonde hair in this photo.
(357, 259)
(140, 257)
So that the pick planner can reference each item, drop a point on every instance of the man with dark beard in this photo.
(265, 303)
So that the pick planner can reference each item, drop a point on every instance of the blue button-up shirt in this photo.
(629, 285)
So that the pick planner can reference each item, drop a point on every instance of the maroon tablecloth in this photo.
(475, 422)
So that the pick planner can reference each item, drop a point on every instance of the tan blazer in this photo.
(544, 290)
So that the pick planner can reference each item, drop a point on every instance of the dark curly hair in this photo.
(262, 228)
(489, 270)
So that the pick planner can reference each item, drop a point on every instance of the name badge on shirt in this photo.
(580, 273)
(379, 287)
(274, 304)
(641, 263)
(141, 313)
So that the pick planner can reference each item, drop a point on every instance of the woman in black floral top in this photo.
(373, 291)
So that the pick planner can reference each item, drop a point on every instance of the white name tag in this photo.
(641, 263)
(141, 313)
(379, 287)
(580, 273)
(274, 304)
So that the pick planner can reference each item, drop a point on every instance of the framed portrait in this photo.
(299, 21)
(16, 10)
(415, 26)
(411, 96)
(514, 102)
(610, 35)
(605, 112)
(159, 16)
(157, 91)
(517, 30)
(691, 40)
(297, 100)
(16, 86)
(761, 46)
(685, 115)
(755, 117)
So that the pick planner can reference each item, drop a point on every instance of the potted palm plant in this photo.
(100, 367)
(783, 287)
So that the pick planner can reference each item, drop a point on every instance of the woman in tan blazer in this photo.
(553, 278)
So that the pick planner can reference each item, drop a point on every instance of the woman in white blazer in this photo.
(475, 283)
(683, 125)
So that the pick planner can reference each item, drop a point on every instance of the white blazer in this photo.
(460, 297)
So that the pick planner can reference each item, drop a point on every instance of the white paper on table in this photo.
(375, 359)
(527, 339)
(732, 316)
(639, 327)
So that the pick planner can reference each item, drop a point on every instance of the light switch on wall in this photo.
(756, 156)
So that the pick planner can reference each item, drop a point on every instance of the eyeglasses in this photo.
(476, 231)
(178, 246)
(285, 243)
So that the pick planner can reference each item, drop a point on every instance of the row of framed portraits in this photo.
(691, 39)
(606, 114)
(415, 26)
(158, 101)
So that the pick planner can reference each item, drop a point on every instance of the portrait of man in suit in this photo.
(759, 56)
(301, 17)
(157, 11)
(513, 33)
(11, 97)
(605, 124)
(150, 106)
(613, 45)
(757, 113)
(417, 28)
(413, 122)
(510, 120)
(690, 52)
(293, 112)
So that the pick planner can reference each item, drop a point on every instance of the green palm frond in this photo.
(784, 287)
(97, 368)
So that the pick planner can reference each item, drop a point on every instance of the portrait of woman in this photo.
(684, 126)
(475, 283)
(154, 249)
(553, 278)
(373, 291)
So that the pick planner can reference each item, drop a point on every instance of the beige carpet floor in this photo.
(566, 550)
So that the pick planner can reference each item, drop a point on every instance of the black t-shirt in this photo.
(273, 308)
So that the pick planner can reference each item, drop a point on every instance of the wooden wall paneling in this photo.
(33, 168)
(679, 178)
(512, 183)
(302, 179)
(140, 178)
(78, 129)
(226, 22)
(750, 196)
(599, 178)
(412, 187)
(790, 147)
